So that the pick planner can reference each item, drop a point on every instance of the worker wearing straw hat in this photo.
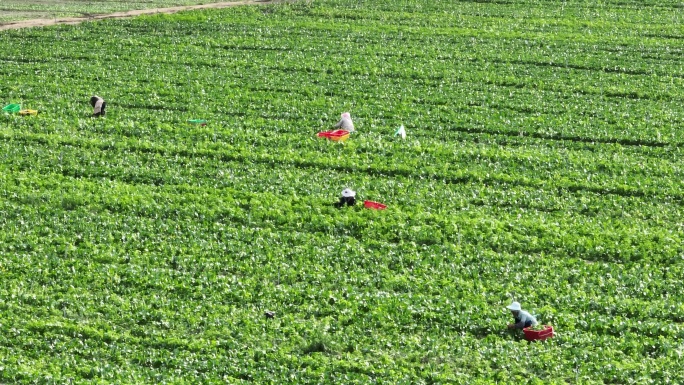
(523, 319)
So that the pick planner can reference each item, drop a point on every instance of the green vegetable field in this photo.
(542, 164)
(12, 10)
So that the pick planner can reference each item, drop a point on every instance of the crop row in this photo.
(541, 164)
(173, 261)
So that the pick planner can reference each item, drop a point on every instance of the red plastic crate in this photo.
(538, 335)
(337, 135)
(374, 205)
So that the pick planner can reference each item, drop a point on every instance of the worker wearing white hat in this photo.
(348, 198)
(523, 319)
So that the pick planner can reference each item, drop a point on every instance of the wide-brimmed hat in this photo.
(514, 306)
(348, 193)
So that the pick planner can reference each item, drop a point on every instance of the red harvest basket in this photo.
(374, 205)
(534, 335)
(337, 135)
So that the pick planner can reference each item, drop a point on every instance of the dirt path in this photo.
(118, 15)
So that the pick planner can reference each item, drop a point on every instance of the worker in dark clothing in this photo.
(98, 105)
(348, 198)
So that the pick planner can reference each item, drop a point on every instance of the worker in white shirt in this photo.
(523, 319)
(345, 122)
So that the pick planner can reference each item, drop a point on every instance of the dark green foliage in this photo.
(542, 164)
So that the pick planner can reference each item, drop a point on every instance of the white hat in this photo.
(348, 193)
(514, 306)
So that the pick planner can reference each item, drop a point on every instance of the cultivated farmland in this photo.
(542, 164)
(12, 10)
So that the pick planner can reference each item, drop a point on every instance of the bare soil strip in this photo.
(119, 15)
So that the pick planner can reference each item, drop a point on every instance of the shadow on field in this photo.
(570, 138)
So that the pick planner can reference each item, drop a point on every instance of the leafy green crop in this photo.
(542, 164)
(13, 10)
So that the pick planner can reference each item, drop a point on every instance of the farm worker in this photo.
(348, 198)
(523, 319)
(98, 105)
(345, 122)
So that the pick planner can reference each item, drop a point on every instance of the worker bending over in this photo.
(523, 319)
(98, 105)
